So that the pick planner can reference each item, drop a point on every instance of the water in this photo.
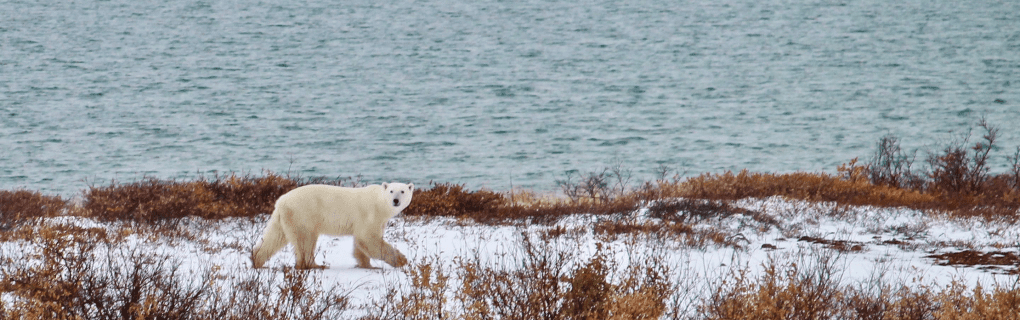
(485, 92)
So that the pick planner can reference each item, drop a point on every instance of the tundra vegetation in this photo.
(78, 270)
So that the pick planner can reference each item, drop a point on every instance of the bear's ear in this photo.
(385, 186)
(410, 187)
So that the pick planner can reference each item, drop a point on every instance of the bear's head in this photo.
(398, 194)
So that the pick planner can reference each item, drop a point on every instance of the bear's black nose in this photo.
(396, 202)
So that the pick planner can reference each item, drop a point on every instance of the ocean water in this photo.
(490, 93)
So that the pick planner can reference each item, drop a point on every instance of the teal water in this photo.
(485, 92)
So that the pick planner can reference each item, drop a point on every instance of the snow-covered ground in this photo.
(864, 244)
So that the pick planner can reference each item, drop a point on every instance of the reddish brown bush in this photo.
(542, 283)
(161, 201)
(68, 272)
(791, 291)
(18, 206)
(798, 185)
(445, 199)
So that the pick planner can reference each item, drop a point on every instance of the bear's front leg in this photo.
(375, 247)
(395, 258)
(363, 260)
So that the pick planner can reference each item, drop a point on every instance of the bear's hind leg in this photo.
(304, 251)
(272, 241)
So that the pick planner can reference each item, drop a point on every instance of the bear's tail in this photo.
(272, 241)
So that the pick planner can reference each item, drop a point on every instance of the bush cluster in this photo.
(152, 200)
(957, 177)
(19, 206)
(71, 280)
(156, 201)
(485, 206)
(71, 272)
(796, 291)
(542, 283)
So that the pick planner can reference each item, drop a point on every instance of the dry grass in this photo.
(544, 281)
(490, 207)
(154, 201)
(794, 291)
(957, 182)
(540, 283)
(74, 277)
(798, 185)
(72, 273)
(20, 206)
(69, 272)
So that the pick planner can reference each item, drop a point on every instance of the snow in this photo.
(894, 245)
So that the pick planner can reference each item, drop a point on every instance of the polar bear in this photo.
(304, 213)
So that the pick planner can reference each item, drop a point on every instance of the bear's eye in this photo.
(391, 191)
(401, 191)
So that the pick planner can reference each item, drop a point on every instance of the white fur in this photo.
(304, 213)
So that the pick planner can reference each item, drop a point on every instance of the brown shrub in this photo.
(20, 205)
(793, 291)
(681, 233)
(70, 272)
(781, 292)
(891, 166)
(163, 201)
(998, 303)
(958, 182)
(426, 295)
(485, 206)
(445, 199)
(589, 293)
(957, 171)
(958, 177)
(798, 185)
(540, 283)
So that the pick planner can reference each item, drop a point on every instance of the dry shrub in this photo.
(907, 303)
(953, 301)
(20, 205)
(792, 291)
(70, 272)
(691, 210)
(599, 186)
(799, 290)
(891, 166)
(678, 232)
(553, 284)
(958, 171)
(156, 201)
(798, 185)
(424, 298)
(485, 206)
(957, 181)
(152, 200)
(541, 283)
(686, 210)
(445, 199)
(999, 303)
(957, 177)
(532, 288)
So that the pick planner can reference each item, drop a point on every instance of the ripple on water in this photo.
(467, 91)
